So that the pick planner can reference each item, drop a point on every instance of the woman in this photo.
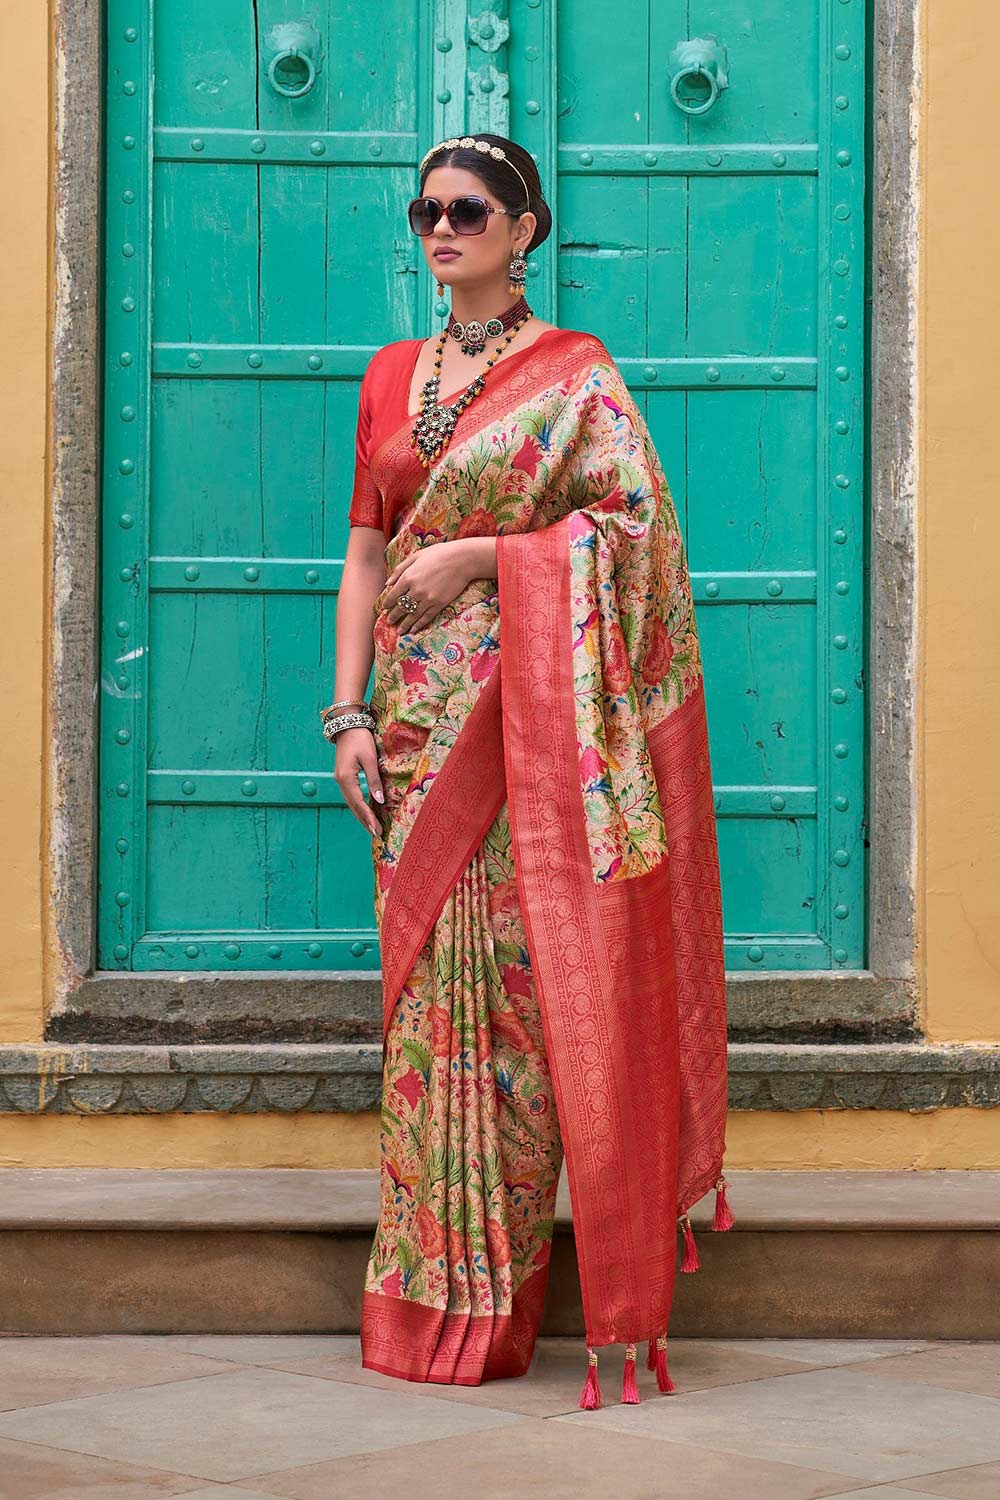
(547, 888)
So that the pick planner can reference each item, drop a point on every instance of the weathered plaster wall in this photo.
(827, 1140)
(959, 529)
(24, 270)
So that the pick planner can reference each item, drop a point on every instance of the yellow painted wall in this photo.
(826, 1140)
(24, 237)
(959, 534)
(959, 698)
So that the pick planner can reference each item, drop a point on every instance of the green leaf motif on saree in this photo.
(417, 1056)
(492, 1171)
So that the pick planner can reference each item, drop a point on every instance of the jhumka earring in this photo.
(518, 271)
(440, 289)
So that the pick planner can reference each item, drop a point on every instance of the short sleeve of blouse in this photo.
(366, 501)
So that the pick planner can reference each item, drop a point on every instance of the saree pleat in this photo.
(547, 885)
(471, 1150)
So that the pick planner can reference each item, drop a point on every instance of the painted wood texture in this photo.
(257, 255)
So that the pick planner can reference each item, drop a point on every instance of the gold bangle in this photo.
(324, 713)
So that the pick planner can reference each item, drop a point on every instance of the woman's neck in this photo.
(481, 302)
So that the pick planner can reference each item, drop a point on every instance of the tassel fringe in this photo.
(663, 1380)
(630, 1391)
(590, 1396)
(656, 1354)
(690, 1261)
(723, 1216)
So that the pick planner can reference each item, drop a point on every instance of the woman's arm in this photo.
(437, 575)
(362, 581)
(482, 555)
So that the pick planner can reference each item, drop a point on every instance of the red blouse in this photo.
(382, 401)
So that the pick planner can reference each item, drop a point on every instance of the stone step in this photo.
(882, 1254)
(160, 1007)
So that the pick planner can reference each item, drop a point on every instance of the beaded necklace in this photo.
(436, 422)
(471, 336)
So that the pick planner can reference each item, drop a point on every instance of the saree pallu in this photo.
(546, 888)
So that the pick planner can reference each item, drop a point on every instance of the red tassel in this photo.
(663, 1381)
(651, 1354)
(690, 1261)
(630, 1391)
(723, 1217)
(590, 1396)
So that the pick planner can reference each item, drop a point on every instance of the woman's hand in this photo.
(356, 751)
(433, 575)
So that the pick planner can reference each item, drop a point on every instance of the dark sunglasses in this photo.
(466, 215)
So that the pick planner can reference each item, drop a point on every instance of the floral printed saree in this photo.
(547, 882)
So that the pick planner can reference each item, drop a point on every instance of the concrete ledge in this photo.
(325, 1201)
(346, 1076)
(198, 1008)
(346, 1006)
(812, 1254)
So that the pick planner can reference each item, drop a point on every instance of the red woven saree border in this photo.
(603, 966)
(415, 1342)
(679, 750)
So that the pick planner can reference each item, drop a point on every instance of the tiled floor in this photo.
(248, 1418)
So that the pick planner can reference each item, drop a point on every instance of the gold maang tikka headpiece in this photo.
(497, 152)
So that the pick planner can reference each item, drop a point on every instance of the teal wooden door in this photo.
(259, 156)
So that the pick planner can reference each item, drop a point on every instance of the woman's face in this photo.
(471, 259)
